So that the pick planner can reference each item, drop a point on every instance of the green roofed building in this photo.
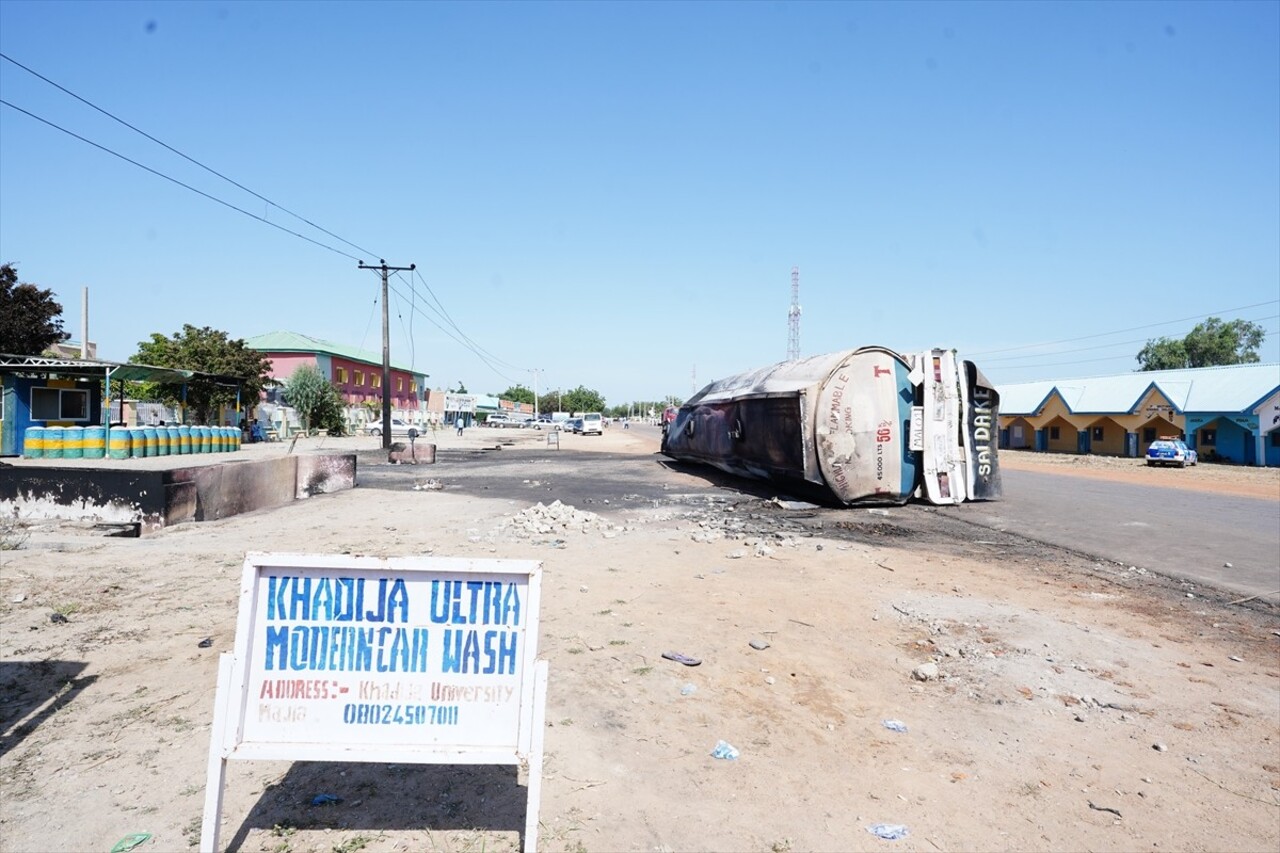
(357, 373)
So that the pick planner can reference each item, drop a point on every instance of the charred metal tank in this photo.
(861, 426)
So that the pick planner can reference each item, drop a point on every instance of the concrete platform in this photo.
(152, 493)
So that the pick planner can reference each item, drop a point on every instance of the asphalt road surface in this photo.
(1176, 533)
(1179, 533)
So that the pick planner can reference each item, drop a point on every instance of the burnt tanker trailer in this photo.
(864, 426)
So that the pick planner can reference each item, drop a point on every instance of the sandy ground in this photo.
(1076, 706)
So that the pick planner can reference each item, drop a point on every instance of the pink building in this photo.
(356, 373)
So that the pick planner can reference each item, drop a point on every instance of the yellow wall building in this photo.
(1225, 413)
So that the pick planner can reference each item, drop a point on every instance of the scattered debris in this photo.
(895, 726)
(325, 799)
(758, 644)
(1098, 808)
(1252, 597)
(925, 672)
(19, 598)
(888, 831)
(131, 841)
(725, 750)
(58, 618)
(429, 486)
(680, 658)
(205, 643)
(688, 690)
(1159, 747)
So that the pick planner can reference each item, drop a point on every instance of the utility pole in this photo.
(793, 318)
(535, 371)
(386, 347)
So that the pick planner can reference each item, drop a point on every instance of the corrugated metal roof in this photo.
(295, 342)
(1229, 388)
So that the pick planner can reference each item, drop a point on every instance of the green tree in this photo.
(1209, 344)
(582, 399)
(304, 390)
(237, 367)
(1163, 354)
(518, 394)
(30, 318)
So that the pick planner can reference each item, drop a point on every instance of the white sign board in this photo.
(341, 658)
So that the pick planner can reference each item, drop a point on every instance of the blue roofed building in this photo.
(1229, 413)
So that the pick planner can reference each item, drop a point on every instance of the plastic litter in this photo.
(681, 658)
(725, 750)
(57, 618)
(688, 690)
(894, 725)
(205, 643)
(888, 831)
(130, 841)
(325, 799)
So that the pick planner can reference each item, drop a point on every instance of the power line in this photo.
(463, 341)
(168, 147)
(1127, 356)
(445, 315)
(987, 361)
(1122, 331)
(178, 182)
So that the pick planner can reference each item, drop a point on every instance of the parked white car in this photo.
(398, 427)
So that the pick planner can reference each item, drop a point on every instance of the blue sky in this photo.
(616, 193)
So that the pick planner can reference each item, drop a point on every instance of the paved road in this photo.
(1176, 532)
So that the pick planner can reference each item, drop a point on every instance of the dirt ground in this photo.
(1075, 705)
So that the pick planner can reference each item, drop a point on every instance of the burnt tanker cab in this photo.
(858, 426)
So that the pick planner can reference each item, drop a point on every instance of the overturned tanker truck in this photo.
(863, 426)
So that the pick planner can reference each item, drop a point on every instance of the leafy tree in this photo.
(582, 399)
(1210, 343)
(304, 390)
(518, 394)
(208, 351)
(549, 402)
(330, 413)
(30, 318)
(1163, 354)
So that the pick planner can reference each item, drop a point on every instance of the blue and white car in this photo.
(1171, 451)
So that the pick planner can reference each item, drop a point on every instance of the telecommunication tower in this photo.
(793, 318)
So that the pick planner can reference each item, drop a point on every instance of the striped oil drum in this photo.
(95, 442)
(52, 442)
(137, 442)
(33, 442)
(120, 443)
(72, 442)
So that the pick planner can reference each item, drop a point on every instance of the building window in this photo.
(413, 387)
(59, 404)
(1148, 435)
(342, 375)
(1275, 438)
(399, 384)
(360, 378)
(377, 380)
(1208, 437)
(1097, 433)
(1054, 433)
